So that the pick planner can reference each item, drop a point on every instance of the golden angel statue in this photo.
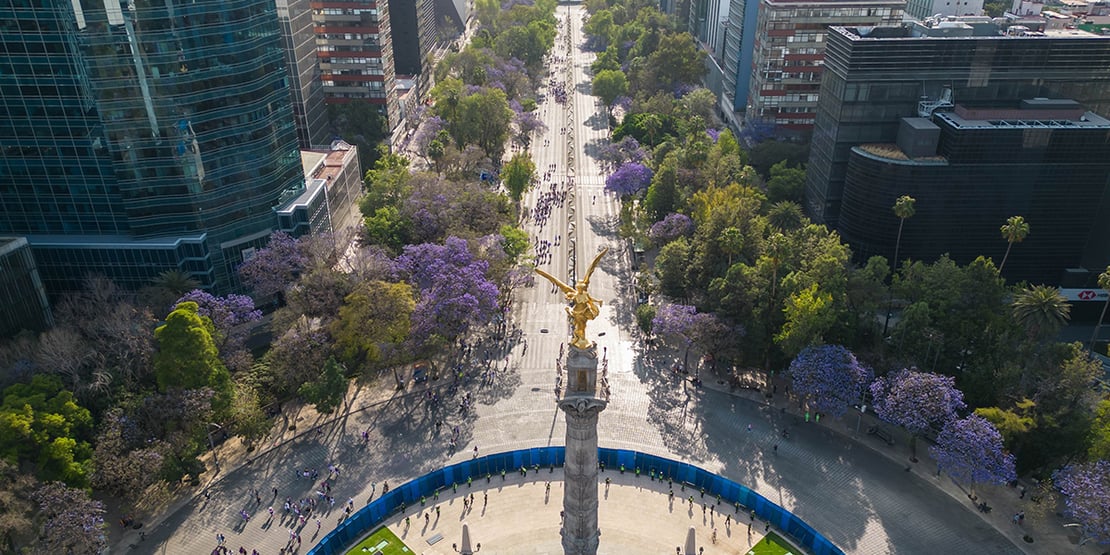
(585, 307)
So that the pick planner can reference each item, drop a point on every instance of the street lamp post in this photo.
(211, 445)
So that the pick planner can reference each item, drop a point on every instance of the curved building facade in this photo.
(1053, 172)
(170, 124)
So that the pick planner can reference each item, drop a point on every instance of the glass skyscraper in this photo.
(141, 136)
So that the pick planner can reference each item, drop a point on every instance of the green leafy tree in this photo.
(645, 314)
(1015, 230)
(387, 182)
(514, 241)
(375, 317)
(1011, 423)
(677, 60)
(809, 315)
(487, 11)
(518, 175)
(766, 154)
(42, 424)
(670, 267)
(187, 357)
(1100, 433)
(608, 85)
(327, 392)
(483, 120)
(248, 419)
(446, 96)
(786, 183)
(663, 196)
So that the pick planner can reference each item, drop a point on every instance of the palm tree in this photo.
(1013, 231)
(651, 123)
(903, 208)
(1041, 310)
(1104, 283)
(175, 282)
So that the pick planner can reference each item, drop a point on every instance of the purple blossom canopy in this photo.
(274, 267)
(1087, 489)
(675, 320)
(830, 376)
(612, 155)
(670, 228)
(629, 179)
(970, 450)
(917, 401)
(455, 290)
(225, 312)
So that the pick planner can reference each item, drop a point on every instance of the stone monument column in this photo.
(582, 407)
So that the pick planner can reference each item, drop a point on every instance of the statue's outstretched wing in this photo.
(562, 286)
(593, 265)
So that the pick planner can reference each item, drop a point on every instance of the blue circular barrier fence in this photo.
(338, 541)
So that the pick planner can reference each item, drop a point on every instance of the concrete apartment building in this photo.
(788, 53)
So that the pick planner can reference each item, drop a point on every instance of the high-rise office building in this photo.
(139, 137)
(413, 28)
(299, 33)
(788, 52)
(355, 53)
(707, 23)
(969, 169)
(739, 42)
(874, 77)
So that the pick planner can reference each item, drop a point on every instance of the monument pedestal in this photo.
(582, 407)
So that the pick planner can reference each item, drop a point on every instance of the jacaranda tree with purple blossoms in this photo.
(630, 179)
(671, 227)
(1086, 488)
(611, 155)
(274, 267)
(970, 451)
(226, 312)
(72, 522)
(917, 401)
(454, 289)
(830, 378)
(684, 326)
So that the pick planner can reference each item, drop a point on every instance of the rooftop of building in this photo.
(321, 166)
(979, 27)
(1036, 117)
(892, 152)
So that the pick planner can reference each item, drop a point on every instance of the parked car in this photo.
(420, 372)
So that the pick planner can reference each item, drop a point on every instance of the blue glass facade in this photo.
(126, 122)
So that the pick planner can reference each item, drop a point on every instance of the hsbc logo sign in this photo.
(1085, 295)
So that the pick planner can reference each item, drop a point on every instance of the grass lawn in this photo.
(382, 542)
(772, 544)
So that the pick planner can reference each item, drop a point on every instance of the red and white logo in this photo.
(1086, 295)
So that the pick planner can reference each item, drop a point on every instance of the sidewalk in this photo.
(1050, 536)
